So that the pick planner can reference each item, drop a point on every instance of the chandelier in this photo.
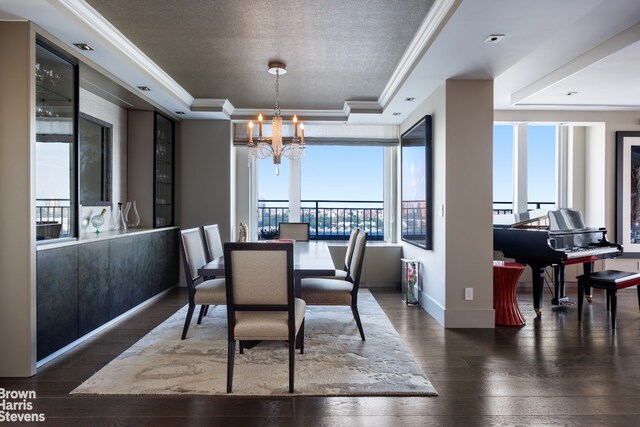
(276, 146)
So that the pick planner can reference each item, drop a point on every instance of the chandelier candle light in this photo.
(274, 146)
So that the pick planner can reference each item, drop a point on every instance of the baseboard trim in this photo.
(470, 318)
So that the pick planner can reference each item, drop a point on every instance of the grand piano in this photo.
(557, 239)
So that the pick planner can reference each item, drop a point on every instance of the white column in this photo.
(294, 190)
(562, 167)
(520, 196)
(389, 193)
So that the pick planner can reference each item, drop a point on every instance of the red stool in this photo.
(505, 303)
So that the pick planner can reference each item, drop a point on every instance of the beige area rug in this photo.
(335, 363)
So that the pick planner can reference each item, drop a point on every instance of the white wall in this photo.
(17, 200)
(106, 111)
(432, 262)
(462, 113)
(206, 181)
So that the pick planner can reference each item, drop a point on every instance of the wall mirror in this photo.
(94, 152)
(417, 184)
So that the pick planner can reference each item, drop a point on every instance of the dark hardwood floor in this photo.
(553, 371)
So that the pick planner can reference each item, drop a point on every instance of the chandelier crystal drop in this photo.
(276, 146)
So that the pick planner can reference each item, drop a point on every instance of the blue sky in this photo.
(328, 173)
(540, 165)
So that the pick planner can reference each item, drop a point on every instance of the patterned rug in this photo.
(335, 363)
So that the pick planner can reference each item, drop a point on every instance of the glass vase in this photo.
(133, 217)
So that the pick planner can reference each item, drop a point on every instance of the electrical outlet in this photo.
(468, 294)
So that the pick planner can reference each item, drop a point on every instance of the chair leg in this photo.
(206, 309)
(203, 309)
(231, 350)
(638, 289)
(188, 320)
(292, 363)
(300, 338)
(356, 315)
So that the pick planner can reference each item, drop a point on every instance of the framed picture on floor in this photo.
(628, 191)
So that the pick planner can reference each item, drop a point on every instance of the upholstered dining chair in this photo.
(260, 299)
(201, 292)
(327, 291)
(213, 241)
(298, 231)
(341, 273)
(213, 245)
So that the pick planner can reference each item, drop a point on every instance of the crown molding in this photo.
(114, 39)
(213, 105)
(361, 107)
(616, 43)
(433, 23)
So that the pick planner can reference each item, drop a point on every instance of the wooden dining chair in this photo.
(200, 292)
(342, 273)
(213, 241)
(298, 231)
(327, 291)
(260, 299)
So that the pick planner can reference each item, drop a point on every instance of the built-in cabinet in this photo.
(151, 170)
(164, 176)
(82, 286)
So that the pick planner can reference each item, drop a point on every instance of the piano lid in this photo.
(537, 218)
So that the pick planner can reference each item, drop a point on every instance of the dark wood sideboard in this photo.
(82, 286)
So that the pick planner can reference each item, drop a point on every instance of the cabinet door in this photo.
(121, 273)
(93, 286)
(144, 276)
(57, 299)
(163, 184)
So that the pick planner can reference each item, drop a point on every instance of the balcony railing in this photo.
(52, 211)
(498, 210)
(328, 219)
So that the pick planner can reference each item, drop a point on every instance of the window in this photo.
(273, 197)
(341, 189)
(56, 145)
(538, 185)
(502, 169)
(541, 167)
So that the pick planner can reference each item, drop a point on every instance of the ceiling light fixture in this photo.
(144, 88)
(396, 113)
(83, 46)
(410, 98)
(180, 112)
(276, 146)
(494, 38)
(572, 93)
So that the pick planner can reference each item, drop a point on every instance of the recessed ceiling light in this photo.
(494, 38)
(83, 46)
(410, 98)
(144, 88)
(180, 112)
(571, 93)
(396, 113)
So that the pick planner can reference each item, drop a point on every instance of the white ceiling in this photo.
(550, 48)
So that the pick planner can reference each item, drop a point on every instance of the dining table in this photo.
(310, 259)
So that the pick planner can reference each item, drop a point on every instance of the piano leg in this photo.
(558, 285)
(537, 276)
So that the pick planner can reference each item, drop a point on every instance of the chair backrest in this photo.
(213, 241)
(298, 231)
(349, 254)
(355, 268)
(259, 277)
(193, 253)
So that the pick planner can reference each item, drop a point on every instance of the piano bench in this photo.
(610, 281)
